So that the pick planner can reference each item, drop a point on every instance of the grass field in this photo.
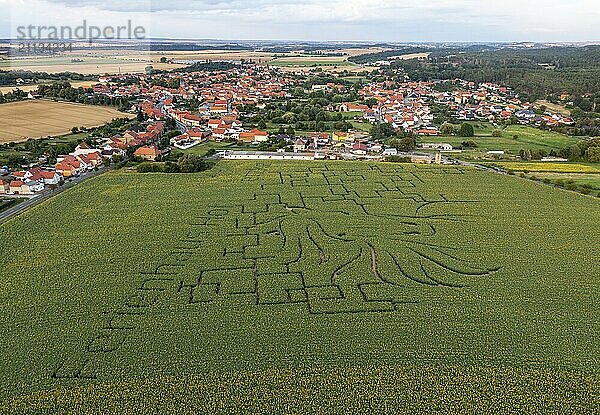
(592, 180)
(557, 108)
(302, 287)
(42, 118)
(513, 139)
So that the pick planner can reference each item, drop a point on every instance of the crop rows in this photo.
(259, 265)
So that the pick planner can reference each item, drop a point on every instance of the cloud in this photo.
(434, 20)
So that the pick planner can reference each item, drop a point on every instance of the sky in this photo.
(314, 20)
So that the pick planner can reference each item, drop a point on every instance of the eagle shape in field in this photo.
(390, 252)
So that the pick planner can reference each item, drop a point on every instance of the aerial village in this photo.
(224, 106)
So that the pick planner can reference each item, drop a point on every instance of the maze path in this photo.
(297, 258)
(321, 237)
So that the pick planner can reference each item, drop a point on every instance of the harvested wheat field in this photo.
(34, 87)
(86, 65)
(41, 118)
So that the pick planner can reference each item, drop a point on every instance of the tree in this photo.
(592, 154)
(262, 124)
(496, 133)
(524, 154)
(140, 116)
(371, 102)
(191, 163)
(406, 144)
(448, 128)
(466, 130)
(382, 131)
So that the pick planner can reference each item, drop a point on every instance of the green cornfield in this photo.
(292, 287)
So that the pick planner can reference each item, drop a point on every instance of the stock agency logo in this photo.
(33, 38)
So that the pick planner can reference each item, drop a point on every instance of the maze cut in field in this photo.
(256, 266)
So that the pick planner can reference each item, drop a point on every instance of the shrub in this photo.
(150, 168)
(171, 167)
(397, 159)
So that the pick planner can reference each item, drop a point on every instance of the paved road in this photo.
(46, 194)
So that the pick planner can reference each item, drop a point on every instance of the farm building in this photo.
(437, 146)
(260, 155)
(420, 159)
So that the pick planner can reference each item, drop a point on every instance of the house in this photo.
(79, 164)
(191, 120)
(299, 146)
(525, 114)
(90, 160)
(254, 135)
(359, 149)
(65, 169)
(68, 166)
(343, 136)
(428, 131)
(350, 107)
(376, 148)
(35, 185)
(51, 178)
(149, 153)
(219, 134)
(18, 187)
(390, 151)
(320, 138)
(4, 187)
(214, 124)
